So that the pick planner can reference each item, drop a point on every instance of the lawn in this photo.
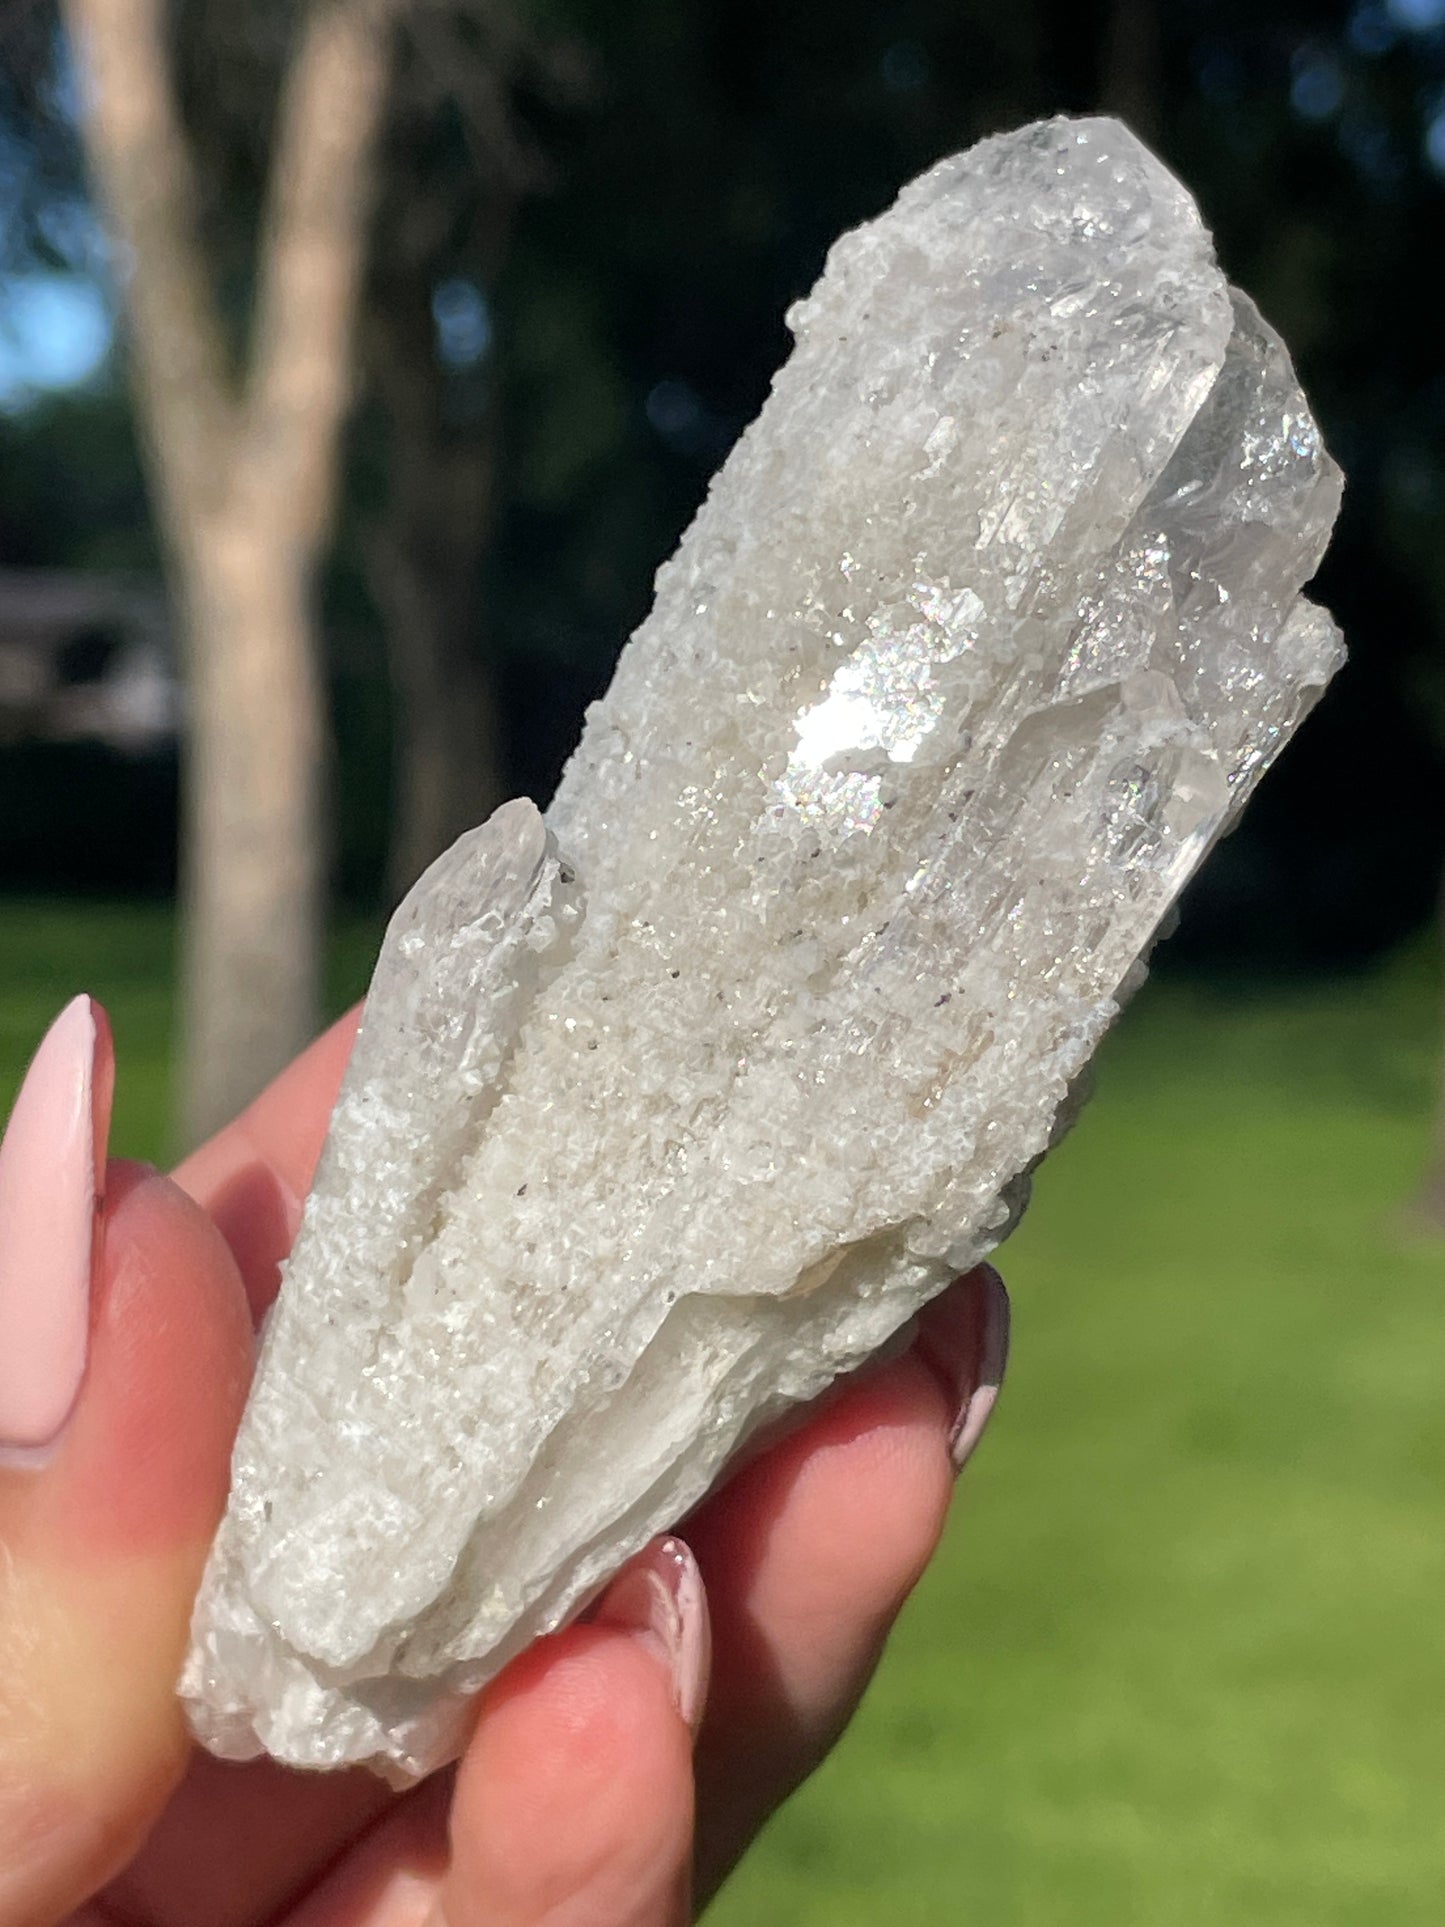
(1182, 1660)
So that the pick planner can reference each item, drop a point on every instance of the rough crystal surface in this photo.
(672, 1109)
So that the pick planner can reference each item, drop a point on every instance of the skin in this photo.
(583, 1800)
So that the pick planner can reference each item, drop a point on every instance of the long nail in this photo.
(661, 1598)
(52, 1162)
(964, 1336)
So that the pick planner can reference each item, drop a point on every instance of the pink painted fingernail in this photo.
(964, 1336)
(52, 1160)
(660, 1597)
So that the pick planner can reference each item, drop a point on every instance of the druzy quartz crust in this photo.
(672, 1106)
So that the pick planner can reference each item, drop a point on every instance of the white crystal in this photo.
(667, 1113)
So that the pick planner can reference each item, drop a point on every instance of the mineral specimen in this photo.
(671, 1109)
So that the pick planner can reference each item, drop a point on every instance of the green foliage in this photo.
(71, 490)
(1181, 1659)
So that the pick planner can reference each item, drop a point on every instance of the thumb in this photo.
(125, 1350)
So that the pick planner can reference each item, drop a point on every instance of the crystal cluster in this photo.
(671, 1108)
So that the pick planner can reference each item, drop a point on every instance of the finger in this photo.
(104, 1524)
(811, 1550)
(252, 1178)
(393, 1877)
(239, 1841)
(574, 1803)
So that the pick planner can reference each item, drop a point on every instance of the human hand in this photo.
(617, 1770)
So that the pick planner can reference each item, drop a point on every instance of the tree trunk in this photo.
(244, 474)
(253, 858)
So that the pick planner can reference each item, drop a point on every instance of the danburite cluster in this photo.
(671, 1108)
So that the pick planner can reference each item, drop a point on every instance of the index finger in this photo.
(252, 1178)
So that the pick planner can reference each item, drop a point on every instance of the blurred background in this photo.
(359, 364)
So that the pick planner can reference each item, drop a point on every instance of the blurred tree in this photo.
(425, 547)
(244, 479)
(455, 160)
(459, 161)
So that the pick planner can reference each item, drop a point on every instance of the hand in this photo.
(614, 1775)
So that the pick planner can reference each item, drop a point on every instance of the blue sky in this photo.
(55, 331)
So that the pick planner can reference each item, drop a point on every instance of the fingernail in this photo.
(964, 1336)
(660, 1597)
(52, 1160)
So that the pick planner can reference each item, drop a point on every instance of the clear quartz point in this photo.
(671, 1108)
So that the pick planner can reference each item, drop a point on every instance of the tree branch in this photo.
(312, 254)
(144, 174)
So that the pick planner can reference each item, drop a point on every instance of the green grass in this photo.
(1182, 1660)
(124, 954)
